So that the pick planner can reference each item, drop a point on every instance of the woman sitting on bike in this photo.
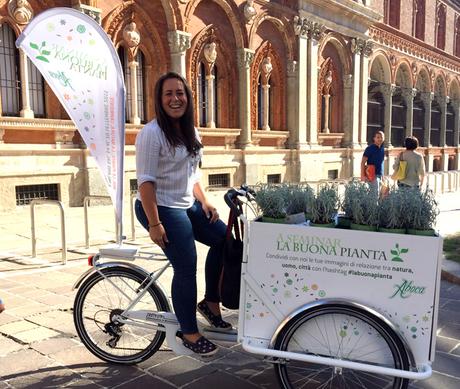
(174, 208)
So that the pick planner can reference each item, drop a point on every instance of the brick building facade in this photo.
(284, 90)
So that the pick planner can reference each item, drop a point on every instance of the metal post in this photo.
(32, 219)
(86, 201)
(133, 229)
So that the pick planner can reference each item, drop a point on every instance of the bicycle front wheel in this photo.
(340, 332)
(97, 302)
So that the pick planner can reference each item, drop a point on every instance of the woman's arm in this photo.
(149, 203)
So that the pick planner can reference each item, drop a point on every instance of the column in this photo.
(364, 86)
(315, 34)
(135, 119)
(26, 111)
(210, 120)
(388, 92)
(266, 107)
(292, 101)
(348, 106)
(427, 98)
(245, 58)
(409, 95)
(357, 46)
(179, 42)
(301, 106)
(443, 101)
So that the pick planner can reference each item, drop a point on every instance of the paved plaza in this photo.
(38, 343)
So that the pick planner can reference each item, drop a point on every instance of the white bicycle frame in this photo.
(167, 321)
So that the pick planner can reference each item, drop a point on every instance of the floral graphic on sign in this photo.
(290, 286)
(41, 50)
(396, 253)
(411, 325)
(255, 308)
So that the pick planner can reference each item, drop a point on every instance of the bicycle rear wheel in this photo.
(99, 299)
(340, 332)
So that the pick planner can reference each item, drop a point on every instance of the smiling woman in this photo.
(172, 206)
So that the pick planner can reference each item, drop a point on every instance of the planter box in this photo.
(289, 266)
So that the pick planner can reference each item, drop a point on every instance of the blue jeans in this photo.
(375, 185)
(182, 227)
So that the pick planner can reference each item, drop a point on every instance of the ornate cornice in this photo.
(415, 48)
(307, 28)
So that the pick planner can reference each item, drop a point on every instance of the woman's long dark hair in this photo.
(186, 134)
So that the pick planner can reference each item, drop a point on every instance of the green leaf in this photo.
(404, 251)
(46, 52)
(394, 252)
(41, 58)
(396, 259)
(34, 46)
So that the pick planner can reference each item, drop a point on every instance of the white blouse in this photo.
(173, 170)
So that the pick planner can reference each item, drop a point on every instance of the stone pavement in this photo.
(38, 343)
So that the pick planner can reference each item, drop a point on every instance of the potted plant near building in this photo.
(393, 211)
(271, 202)
(299, 200)
(325, 206)
(360, 205)
(422, 211)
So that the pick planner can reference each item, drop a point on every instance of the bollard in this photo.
(32, 219)
(86, 201)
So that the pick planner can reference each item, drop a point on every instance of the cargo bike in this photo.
(330, 308)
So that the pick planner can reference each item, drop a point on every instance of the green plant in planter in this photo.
(325, 205)
(360, 205)
(422, 211)
(299, 198)
(271, 201)
(393, 211)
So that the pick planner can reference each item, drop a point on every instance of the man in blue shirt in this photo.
(372, 161)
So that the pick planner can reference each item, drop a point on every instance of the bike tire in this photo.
(342, 332)
(97, 300)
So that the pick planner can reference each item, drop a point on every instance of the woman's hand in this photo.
(210, 212)
(158, 235)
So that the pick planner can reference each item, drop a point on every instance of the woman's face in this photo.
(173, 98)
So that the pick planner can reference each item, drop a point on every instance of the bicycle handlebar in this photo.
(233, 194)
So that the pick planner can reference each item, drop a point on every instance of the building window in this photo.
(219, 180)
(375, 111)
(437, 165)
(418, 122)
(123, 54)
(418, 29)
(26, 193)
(9, 72)
(435, 131)
(273, 178)
(457, 37)
(440, 27)
(392, 12)
(133, 186)
(450, 120)
(398, 120)
(203, 89)
(37, 90)
(332, 174)
(141, 91)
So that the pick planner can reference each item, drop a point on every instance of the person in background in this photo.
(372, 161)
(415, 168)
(173, 207)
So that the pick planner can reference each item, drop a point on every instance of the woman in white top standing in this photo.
(174, 208)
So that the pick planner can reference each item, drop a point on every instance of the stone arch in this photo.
(454, 90)
(279, 94)
(226, 74)
(281, 28)
(230, 10)
(439, 86)
(12, 24)
(423, 80)
(341, 47)
(379, 68)
(403, 74)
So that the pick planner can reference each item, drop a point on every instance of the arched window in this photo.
(9, 72)
(202, 95)
(123, 54)
(392, 12)
(457, 37)
(398, 120)
(418, 121)
(450, 124)
(435, 132)
(375, 111)
(418, 25)
(37, 90)
(440, 29)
